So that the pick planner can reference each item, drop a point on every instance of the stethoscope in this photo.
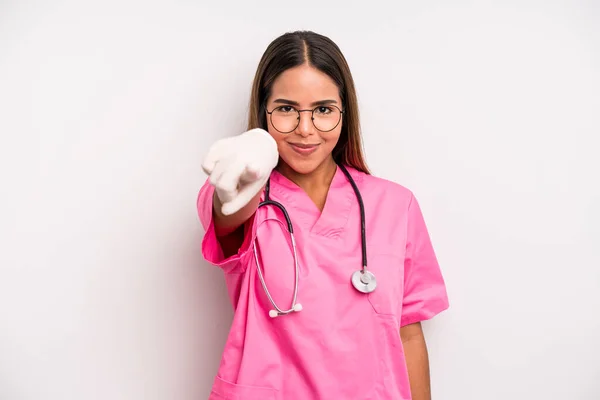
(364, 281)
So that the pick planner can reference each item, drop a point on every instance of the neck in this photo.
(312, 182)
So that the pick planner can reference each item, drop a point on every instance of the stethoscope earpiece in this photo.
(274, 313)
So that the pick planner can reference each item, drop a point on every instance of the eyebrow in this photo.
(295, 103)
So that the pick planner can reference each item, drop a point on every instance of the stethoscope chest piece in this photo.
(364, 281)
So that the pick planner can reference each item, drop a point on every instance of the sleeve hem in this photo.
(423, 316)
(211, 248)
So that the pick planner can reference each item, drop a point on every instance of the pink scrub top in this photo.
(343, 344)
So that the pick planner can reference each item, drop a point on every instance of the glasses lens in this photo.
(284, 118)
(326, 117)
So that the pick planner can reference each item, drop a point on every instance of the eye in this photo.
(323, 110)
(285, 109)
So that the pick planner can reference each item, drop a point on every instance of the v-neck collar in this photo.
(340, 201)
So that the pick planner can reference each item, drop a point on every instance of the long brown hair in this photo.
(293, 49)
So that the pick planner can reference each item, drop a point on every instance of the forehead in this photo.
(304, 84)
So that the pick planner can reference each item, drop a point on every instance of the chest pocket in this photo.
(224, 390)
(389, 273)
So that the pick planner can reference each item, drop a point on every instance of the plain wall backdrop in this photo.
(489, 111)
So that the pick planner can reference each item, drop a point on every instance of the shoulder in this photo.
(381, 189)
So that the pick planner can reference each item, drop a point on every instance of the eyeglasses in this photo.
(285, 119)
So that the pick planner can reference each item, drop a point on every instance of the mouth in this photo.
(304, 148)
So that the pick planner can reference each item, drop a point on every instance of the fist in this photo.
(238, 167)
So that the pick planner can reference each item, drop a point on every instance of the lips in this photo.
(304, 148)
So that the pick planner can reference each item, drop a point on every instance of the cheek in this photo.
(330, 139)
(279, 138)
(328, 142)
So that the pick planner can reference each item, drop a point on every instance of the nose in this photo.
(305, 125)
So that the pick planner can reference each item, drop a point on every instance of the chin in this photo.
(303, 167)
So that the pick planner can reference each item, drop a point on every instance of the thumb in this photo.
(244, 196)
(250, 174)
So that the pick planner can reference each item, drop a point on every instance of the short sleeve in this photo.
(424, 288)
(211, 248)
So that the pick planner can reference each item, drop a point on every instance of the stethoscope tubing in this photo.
(294, 306)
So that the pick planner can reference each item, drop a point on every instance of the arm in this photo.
(227, 224)
(238, 167)
(230, 229)
(417, 360)
(424, 297)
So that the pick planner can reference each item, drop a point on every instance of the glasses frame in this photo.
(312, 116)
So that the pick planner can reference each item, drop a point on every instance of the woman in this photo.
(324, 327)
